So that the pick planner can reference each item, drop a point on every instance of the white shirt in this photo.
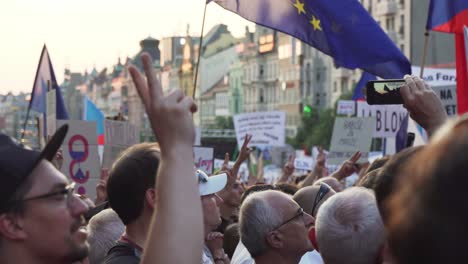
(242, 256)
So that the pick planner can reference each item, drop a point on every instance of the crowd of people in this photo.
(154, 207)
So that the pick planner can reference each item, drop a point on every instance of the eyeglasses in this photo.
(300, 212)
(67, 192)
(324, 189)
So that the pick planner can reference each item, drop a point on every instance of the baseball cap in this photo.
(17, 163)
(209, 185)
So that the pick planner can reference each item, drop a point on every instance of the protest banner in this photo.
(346, 107)
(203, 157)
(266, 128)
(444, 82)
(119, 135)
(51, 112)
(80, 155)
(304, 163)
(350, 135)
(388, 118)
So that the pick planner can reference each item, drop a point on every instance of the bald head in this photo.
(306, 196)
(332, 182)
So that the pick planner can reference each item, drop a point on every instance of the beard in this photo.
(77, 252)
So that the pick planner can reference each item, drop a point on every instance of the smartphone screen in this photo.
(384, 92)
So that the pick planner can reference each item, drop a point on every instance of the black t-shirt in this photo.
(123, 253)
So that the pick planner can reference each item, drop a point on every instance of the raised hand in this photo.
(245, 150)
(348, 167)
(170, 115)
(423, 104)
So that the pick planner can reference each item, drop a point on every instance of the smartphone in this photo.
(410, 139)
(384, 92)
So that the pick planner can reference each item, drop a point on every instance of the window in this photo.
(335, 89)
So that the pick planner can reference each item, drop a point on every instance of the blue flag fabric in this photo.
(45, 78)
(361, 85)
(402, 135)
(342, 29)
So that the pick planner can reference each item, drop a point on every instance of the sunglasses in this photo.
(300, 212)
(324, 189)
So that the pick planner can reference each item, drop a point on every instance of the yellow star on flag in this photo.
(316, 23)
(300, 7)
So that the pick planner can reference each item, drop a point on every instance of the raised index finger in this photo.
(154, 86)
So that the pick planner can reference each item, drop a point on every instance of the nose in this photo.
(77, 206)
(309, 220)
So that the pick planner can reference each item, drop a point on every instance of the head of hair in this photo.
(104, 229)
(287, 188)
(427, 215)
(377, 163)
(256, 188)
(131, 175)
(349, 228)
(386, 179)
(257, 218)
(369, 180)
(231, 239)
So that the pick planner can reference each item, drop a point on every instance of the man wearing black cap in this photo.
(41, 221)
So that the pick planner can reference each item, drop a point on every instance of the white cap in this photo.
(209, 185)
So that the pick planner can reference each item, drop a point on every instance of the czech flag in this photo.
(451, 16)
(92, 113)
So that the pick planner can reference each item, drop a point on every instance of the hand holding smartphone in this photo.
(384, 92)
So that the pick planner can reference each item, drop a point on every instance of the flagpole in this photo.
(199, 52)
(32, 94)
(426, 42)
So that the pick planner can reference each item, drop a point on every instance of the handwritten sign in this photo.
(346, 107)
(119, 135)
(80, 155)
(266, 128)
(350, 135)
(304, 163)
(448, 96)
(204, 159)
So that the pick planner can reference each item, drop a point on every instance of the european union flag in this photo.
(342, 29)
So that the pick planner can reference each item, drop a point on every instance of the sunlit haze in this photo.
(82, 34)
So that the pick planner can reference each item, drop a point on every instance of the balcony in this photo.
(341, 72)
(386, 7)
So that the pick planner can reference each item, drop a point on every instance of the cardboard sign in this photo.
(80, 156)
(266, 128)
(204, 159)
(346, 107)
(304, 163)
(388, 118)
(119, 136)
(51, 109)
(350, 135)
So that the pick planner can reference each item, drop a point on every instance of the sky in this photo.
(81, 34)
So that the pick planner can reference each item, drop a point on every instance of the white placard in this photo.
(51, 109)
(437, 76)
(346, 107)
(448, 96)
(80, 155)
(266, 128)
(304, 163)
(119, 135)
(350, 135)
(388, 118)
(204, 159)
(218, 164)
